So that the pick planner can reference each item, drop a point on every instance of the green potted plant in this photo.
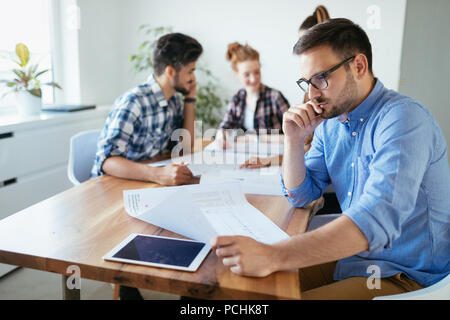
(25, 84)
(209, 106)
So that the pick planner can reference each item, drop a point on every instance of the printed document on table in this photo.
(207, 162)
(225, 167)
(202, 212)
(253, 181)
(254, 148)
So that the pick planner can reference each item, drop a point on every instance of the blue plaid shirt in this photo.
(139, 126)
(388, 165)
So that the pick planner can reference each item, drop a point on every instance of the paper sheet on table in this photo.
(224, 167)
(255, 148)
(201, 212)
(206, 162)
(253, 181)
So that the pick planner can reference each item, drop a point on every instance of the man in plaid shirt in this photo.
(142, 121)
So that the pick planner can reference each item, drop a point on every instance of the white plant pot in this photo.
(27, 104)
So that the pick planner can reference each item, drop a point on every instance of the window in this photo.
(26, 21)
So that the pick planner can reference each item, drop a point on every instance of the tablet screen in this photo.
(160, 250)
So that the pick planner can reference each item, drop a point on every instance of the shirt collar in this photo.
(156, 89)
(365, 109)
(262, 90)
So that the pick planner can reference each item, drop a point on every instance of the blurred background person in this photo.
(255, 107)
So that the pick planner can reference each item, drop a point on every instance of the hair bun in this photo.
(232, 49)
(321, 14)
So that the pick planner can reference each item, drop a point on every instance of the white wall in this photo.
(101, 44)
(425, 67)
(65, 50)
(108, 35)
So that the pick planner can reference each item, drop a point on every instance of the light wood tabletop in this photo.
(79, 226)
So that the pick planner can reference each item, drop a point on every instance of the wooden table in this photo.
(78, 226)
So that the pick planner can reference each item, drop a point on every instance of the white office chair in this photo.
(438, 291)
(83, 147)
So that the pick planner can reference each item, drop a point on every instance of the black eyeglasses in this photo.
(319, 81)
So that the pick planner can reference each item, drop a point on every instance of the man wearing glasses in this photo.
(387, 160)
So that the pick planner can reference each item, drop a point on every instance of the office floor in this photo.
(29, 284)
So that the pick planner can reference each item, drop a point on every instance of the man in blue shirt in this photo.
(142, 121)
(387, 160)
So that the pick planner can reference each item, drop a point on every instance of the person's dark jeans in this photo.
(129, 293)
(331, 204)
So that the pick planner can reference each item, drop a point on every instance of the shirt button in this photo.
(362, 120)
(354, 133)
(353, 164)
(349, 193)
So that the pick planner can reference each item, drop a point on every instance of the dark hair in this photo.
(176, 50)
(342, 35)
(319, 16)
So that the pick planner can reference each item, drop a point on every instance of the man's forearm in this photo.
(336, 240)
(123, 168)
(293, 169)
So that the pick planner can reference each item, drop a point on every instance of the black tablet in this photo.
(158, 251)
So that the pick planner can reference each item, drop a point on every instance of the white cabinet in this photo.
(33, 156)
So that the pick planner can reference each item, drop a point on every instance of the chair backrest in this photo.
(438, 291)
(83, 147)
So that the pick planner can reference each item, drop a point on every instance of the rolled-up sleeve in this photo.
(403, 141)
(316, 179)
(116, 137)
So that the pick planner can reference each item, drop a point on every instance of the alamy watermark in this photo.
(74, 280)
(373, 281)
(232, 147)
(373, 17)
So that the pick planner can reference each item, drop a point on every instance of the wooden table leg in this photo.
(116, 292)
(69, 294)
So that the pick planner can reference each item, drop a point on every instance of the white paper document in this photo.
(207, 162)
(225, 167)
(202, 212)
(253, 181)
(255, 148)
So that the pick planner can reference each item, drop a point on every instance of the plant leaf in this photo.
(53, 84)
(36, 92)
(32, 70)
(23, 53)
(143, 26)
(35, 83)
(17, 62)
(5, 94)
(143, 45)
(20, 74)
(41, 72)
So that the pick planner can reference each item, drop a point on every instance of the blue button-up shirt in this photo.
(139, 126)
(388, 165)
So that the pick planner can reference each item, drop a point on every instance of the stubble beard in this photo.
(179, 88)
(345, 101)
